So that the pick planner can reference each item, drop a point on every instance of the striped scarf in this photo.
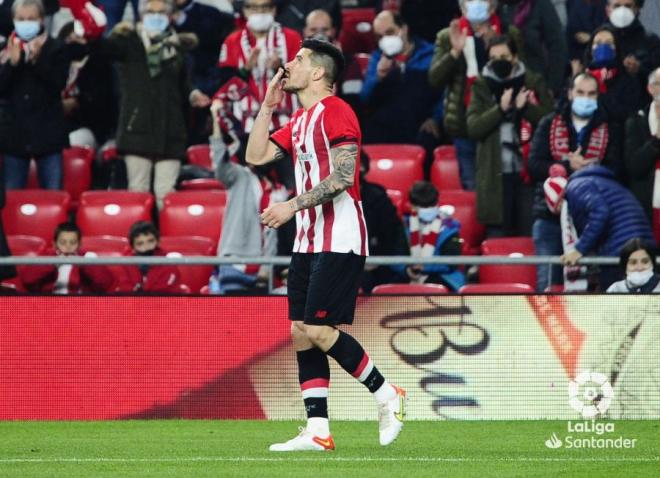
(423, 236)
(653, 128)
(560, 141)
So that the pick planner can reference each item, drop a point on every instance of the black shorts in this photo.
(323, 287)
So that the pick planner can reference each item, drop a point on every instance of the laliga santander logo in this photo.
(596, 394)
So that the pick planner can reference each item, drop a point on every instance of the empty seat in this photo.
(112, 212)
(35, 212)
(513, 247)
(395, 166)
(503, 288)
(356, 34)
(420, 289)
(200, 155)
(77, 169)
(195, 277)
(193, 212)
(444, 170)
(465, 211)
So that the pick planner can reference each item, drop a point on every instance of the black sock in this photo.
(314, 378)
(351, 356)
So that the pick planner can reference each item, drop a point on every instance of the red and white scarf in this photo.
(560, 141)
(423, 236)
(469, 52)
(574, 276)
(603, 75)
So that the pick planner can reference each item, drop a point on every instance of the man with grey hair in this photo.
(642, 154)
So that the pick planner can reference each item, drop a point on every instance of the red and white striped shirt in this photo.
(337, 225)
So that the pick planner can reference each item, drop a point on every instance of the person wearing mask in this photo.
(506, 104)
(33, 72)
(638, 261)
(401, 105)
(639, 49)
(67, 278)
(458, 58)
(154, 88)
(642, 154)
(576, 135)
(143, 238)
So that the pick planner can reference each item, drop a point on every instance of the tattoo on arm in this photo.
(344, 161)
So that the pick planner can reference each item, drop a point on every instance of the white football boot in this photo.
(305, 441)
(390, 417)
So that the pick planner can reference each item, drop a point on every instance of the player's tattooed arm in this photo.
(344, 162)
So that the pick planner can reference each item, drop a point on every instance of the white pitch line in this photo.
(325, 457)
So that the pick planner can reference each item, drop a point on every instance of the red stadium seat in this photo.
(465, 211)
(114, 246)
(444, 170)
(35, 212)
(362, 59)
(398, 200)
(195, 277)
(201, 184)
(354, 74)
(356, 33)
(198, 212)
(112, 212)
(395, 166)
(200, 155)
(503, 288)
(504, 273)
(21, 245)
(421, 289)
(77, 165)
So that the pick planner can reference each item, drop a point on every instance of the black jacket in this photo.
(635, 40)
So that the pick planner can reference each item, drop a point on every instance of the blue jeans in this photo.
(547, 242)
(466, 153)
(114, 11)
(49, 171)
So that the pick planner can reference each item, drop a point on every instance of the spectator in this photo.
(426, 18)
(154, 88)
(507, 102)
(251, 190)
(637, 260)
(561, 8)
(6, 272)
(545, 43)
(605, 214)
(254, 54)
(143, 238)
(584, 17)
(384, 227)
(650, 17)
(431, 231)
(67, 278)
(33, 72)
(319, 23)
(114, 11)
(293, 13)
(642, 154)
(577, 135)
(396, 86)
(459, 56)
(640, 50)
(620, 95)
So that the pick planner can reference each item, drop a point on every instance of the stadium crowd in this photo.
(545, 111)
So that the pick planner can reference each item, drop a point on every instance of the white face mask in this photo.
(427, 214)
(391, 45)
(621, 17)
(260, 22)
(639, 278)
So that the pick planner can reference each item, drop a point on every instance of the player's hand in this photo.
(274, 93)
(278, 214)
(570, 258)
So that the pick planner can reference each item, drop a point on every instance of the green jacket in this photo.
(449, 73)
(484, 118)
(152, 110)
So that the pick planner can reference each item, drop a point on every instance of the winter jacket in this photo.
(483, 125)
(634, 40)
(642, 151)
(152, 120)
(158, 279)
(402, 100)
(604, 212)
(540, 156)
(448, 73)
(583, 16)
(42, 278)
(545, 43)
(32, 96)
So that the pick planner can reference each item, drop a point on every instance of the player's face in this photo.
(298, 72)
(639, 261)
(67, 243)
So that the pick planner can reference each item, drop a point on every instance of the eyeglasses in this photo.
(255, 7)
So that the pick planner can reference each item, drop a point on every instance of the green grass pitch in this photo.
(182, 448)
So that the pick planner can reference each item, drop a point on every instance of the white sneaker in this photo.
(390, 417)
(305, 441)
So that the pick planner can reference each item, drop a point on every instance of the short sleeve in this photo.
(282, 138)
(341, 125)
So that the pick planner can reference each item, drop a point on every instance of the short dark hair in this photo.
(142, 228)
(66, 227)
(328, 56)
(633, 245)
(423, 194)
(502, 40)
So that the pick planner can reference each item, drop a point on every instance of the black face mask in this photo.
(502, 68)
(145, 253)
